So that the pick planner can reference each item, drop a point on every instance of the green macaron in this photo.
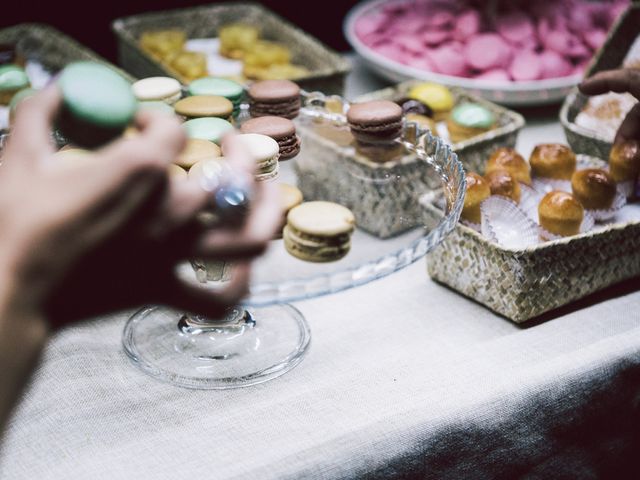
(473, 115)
(207, 128)
(13, 78)
(232, 91)
(98, 104)
(156, 106)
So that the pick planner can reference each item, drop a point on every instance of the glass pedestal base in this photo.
(247, 347)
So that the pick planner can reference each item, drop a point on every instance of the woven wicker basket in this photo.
(610, 56)
(328, 69)
(523, 284)
(473, 153)
(53, 49)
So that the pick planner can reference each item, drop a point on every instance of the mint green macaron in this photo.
(207, 128)
(220, 87)
(473, 115)
(13, 77)
(97, 94)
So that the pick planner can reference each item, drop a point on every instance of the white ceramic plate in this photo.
(529, 93)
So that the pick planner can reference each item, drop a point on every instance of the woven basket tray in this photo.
(610, 56)
(523, 284)
(473, 152)
(327, 68)
(53, 49)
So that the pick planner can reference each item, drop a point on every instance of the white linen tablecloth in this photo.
(405, 378)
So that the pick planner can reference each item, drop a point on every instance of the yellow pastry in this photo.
(505, 158)
(504, 184)
(264, 54)
(560, 213)
(477, 191)
(163, 43)
(190, 65)
(437, 97)
(237, 39)
(553, 160)
(594, 188)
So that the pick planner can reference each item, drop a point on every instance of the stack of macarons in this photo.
(263, 150)
(279, 98)
(282, 130)
(376, 121)
(221, 87)
(319, 231)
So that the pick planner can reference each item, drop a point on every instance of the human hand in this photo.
(620, 81)
(107, 232)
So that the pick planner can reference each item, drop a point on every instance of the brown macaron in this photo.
(375, 121)
(280, 98)
(282, 130)
(198, 106)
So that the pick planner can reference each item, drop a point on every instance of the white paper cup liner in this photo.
(587, 224)
(505, 223)
(626, 188)
(475, 226)
(619, 201)
(546, 185)
(529, 201)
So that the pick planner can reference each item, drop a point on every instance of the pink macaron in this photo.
(526, 66)
(554, 65)
(449, 60)
(487, 50)
(516, 27)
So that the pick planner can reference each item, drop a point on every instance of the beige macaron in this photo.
(319, 231)
(196, 150)
(198, 106)
(263, 150)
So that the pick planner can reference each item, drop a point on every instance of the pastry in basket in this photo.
(198, 106)
(468, 120)
(477, 191)
(196, 150)
(276, 71)
(624, 161)
(164, 89)
(603, 114)
(282, 130)
(506, 158)
(237, 39)
(190, 65)
(437, 97)
(553, 160)
(594, 188)
(13, 78)
(280, 98)
(502, 183)
(290, 197)
(319, 231)
(162, 43)
(560, 213)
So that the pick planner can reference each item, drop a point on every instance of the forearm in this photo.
(23, 333)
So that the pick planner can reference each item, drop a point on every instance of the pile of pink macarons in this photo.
(517, 41)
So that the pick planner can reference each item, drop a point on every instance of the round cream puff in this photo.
(502, 183)
(624, 161)
(476, 192)
(553, 160)
(560, 213)
(594, 188)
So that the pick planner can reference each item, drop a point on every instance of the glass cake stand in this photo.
(266, 336)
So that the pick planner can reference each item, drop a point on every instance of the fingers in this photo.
(205, 301)
(253, 238)
(31, 133)
(620, 81)
(630, 127)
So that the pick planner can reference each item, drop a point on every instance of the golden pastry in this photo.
(476, 192)
(163, 43)
(276, 71)
(237, 39)
(553, 160)
(624, 161)
(594, 188)
(505, 158)
(265, 53)
(502, 183)
(422, 120)
(190, 65)
(560, 213)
